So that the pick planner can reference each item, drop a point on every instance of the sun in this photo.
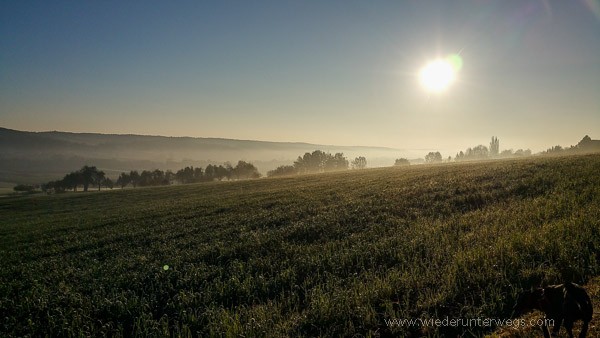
(437, 75)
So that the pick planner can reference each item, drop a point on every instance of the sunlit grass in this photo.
(331, 254)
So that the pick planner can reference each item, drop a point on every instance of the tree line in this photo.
(318, 162)
(482, 152)
(86, 176)
(479, 152)
(585, 145)
(89, 176)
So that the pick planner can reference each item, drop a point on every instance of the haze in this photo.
(340, 73)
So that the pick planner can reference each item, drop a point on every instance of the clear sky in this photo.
(335, 72)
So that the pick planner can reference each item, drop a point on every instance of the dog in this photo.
(562, 303)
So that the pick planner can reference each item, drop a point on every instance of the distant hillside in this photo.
(31, 157)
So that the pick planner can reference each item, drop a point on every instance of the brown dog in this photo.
(563, 303)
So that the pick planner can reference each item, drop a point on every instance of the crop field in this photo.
(337, 254)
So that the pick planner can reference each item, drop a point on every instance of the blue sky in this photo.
(341, 73)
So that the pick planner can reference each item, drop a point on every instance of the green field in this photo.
(317, 255)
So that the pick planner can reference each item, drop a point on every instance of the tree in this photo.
(185, 175)
(522, 152)
(169, 177)
(58, 186)
(158, 177)
(99, 178)
(108, 183)
(433, 157)
(72, 180)
(245, 170)
(311, 162)
(145, 178)
(123, 180)
(198, 174)
(555, 149)
(53, 186)
(401, 162)
(88, 176)
(477, 153)
(46, 187)
(191, 175)
(319, 161)
(284, 170)
(222, 172)
(209, 172)
(336, 162)
(494, 147)
(134, 178)
(23, 188)
(359, 163)
(152, 178)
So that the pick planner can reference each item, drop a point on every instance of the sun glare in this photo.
(437, 75)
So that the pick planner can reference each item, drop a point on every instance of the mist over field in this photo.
(37, 157)
(28, 157)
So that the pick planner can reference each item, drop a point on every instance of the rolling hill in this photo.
(33, 157)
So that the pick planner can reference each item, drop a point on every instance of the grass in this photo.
(317, 255)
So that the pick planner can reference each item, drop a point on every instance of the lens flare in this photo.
(456, 61)
(594, 7)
